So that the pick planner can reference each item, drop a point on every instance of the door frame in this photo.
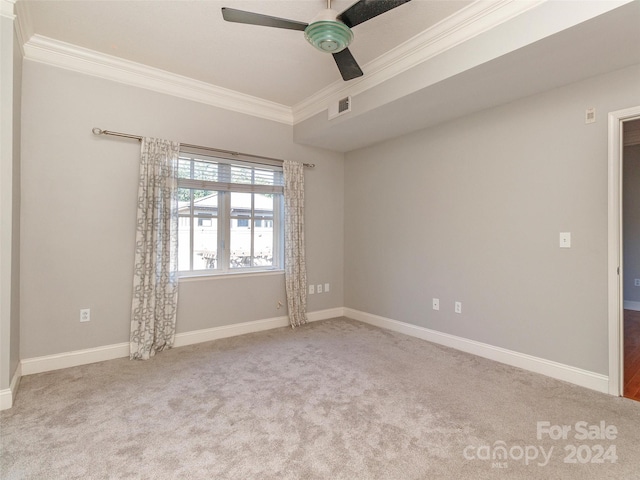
(615, 260)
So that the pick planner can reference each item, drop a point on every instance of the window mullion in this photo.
(191, 228)
(252, 222)
(227, 230)
(225, 221)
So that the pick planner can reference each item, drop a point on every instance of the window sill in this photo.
(219, 276)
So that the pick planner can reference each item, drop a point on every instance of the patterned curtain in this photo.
(295, 270)
(155, 280)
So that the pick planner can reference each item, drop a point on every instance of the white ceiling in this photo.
(190, 38)
(602, 43)
(425, 62)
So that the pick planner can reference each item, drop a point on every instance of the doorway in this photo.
(616, 123)
(631, 257)
(618, 276)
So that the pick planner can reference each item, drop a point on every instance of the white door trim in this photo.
(616, 313)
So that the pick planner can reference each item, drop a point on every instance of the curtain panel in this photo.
(295, 270)
(155, 280)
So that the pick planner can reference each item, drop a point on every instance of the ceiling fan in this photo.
(329, 31)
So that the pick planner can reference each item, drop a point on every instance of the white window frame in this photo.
(224, 217)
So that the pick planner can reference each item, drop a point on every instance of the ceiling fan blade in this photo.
(364, 10)
(349, 68)
(240, 16)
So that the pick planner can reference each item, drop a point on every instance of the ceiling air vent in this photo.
(340, 107)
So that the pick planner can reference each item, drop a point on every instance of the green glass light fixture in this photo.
(328, 34)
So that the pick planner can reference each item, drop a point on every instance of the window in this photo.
(230, 216)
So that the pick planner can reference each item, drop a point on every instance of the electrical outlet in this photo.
(312, 289)
(326, 288)
(85, 314)
(458, 307)
(436, 304)
(637, 284)
(319, 288)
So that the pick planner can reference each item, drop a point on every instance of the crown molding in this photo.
(71, 57)
(477, 18)
(16, 11)
(471, 21)
(6, 9)
(474, 19)
(24, 24)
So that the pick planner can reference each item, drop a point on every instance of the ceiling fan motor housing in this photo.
(328, 34)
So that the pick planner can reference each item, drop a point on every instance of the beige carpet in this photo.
(336, 399)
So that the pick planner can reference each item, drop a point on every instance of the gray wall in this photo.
(78, 210)
(631, 222)
(471, 211)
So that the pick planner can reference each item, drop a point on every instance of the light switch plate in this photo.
(565, 239)
(590, 115)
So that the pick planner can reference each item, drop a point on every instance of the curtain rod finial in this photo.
(97, 131)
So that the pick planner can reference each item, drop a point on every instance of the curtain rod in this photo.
(99, 131)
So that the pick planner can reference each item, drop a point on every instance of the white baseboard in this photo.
(57, 361)
(325, 314)
(109, 352)
(6, 399)
(552, 369)
(629, 305)
(567, 373)
(8, 395)
(215, 333)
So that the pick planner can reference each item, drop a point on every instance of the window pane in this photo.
(264, 177)
(195, 170)
(184, 243)
(184, 226)
(205, 171)
(205, 203)
(205, 246)
(263, 206)
(184, 168)
(205, 229)
(240, 248)
(251, 235)
(263, 230)
(258, 176)
(184, 199)
(241, 204)
(241, 174)
(263, 243)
